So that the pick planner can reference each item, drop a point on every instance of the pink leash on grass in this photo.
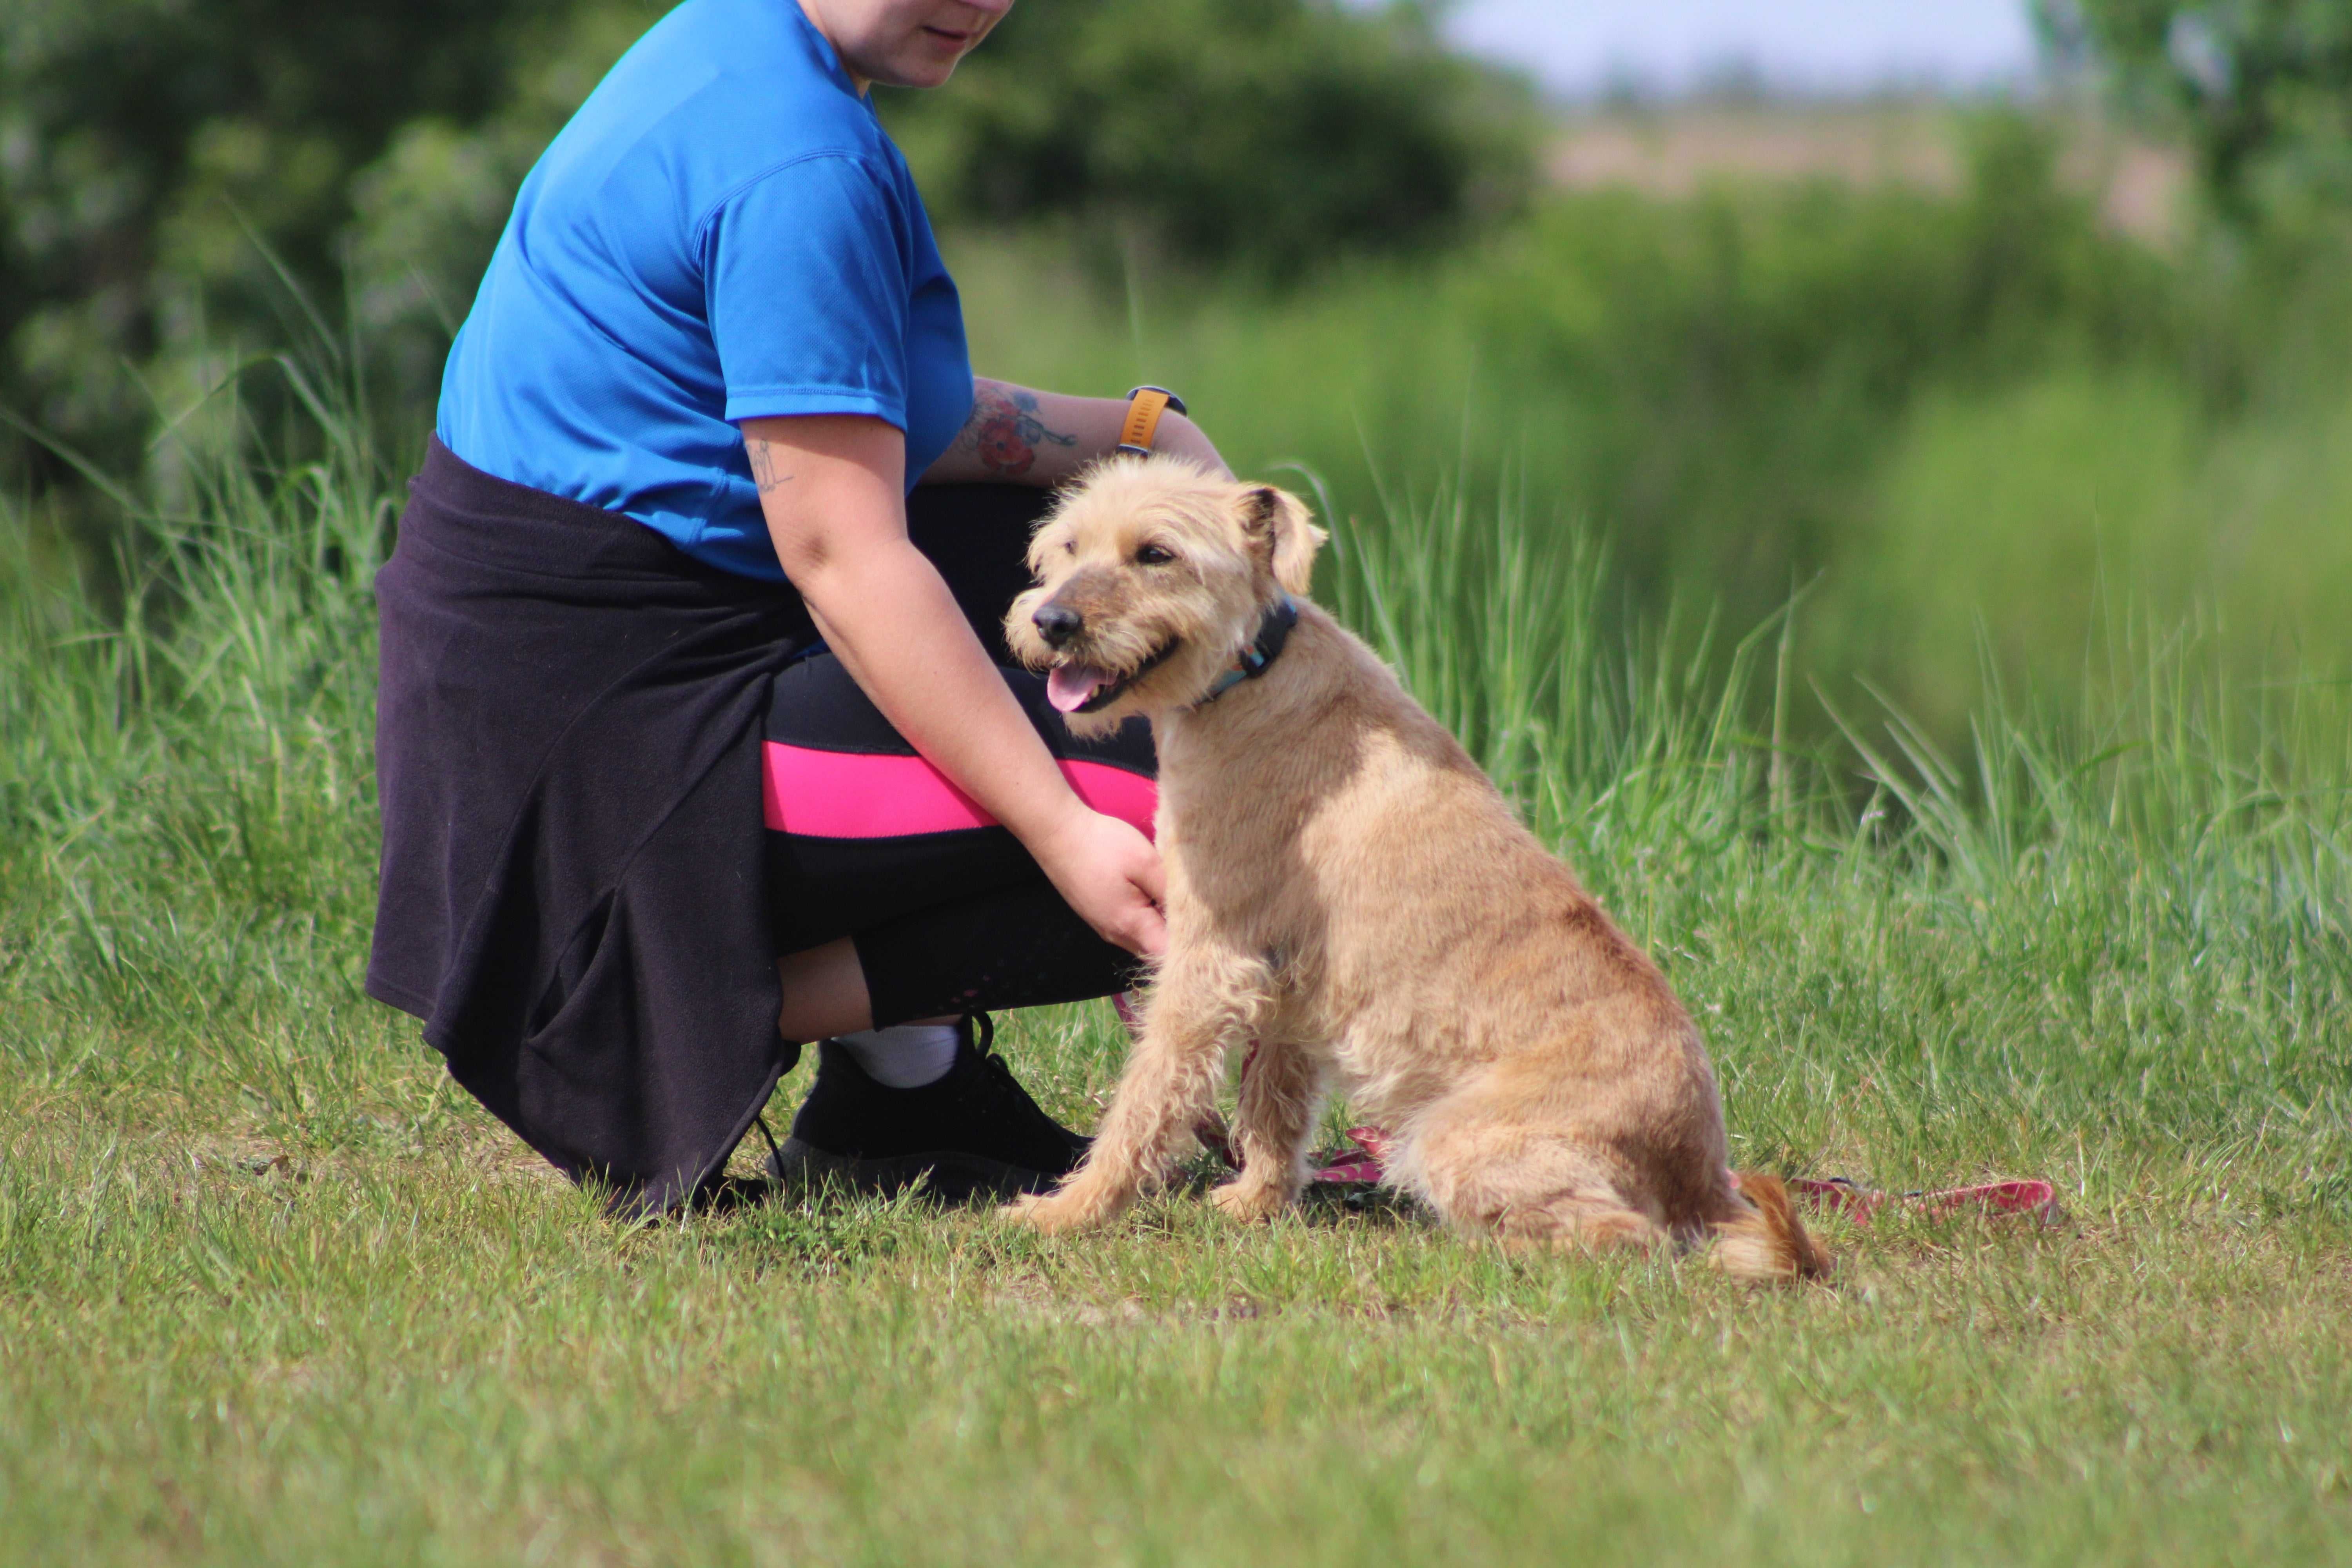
(2034, 1197)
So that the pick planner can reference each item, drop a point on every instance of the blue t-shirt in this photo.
(722, 232)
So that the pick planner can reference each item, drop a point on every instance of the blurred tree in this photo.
(2263, 88)
(1263, 134)
(146, 147)
(427, 214)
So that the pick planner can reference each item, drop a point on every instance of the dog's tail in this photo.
(1768, 1245)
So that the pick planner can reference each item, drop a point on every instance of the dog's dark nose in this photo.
(1058, 624)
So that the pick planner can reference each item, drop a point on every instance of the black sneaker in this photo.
(974, 1133)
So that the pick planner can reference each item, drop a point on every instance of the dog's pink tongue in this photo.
(1068, 686)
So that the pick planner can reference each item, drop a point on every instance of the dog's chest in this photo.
(1236, 871)
(1271, 826)
(1232, 822)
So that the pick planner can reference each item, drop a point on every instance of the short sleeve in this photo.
(807, 280)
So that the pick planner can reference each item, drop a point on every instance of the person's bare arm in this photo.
(832, 488)
(1042, 437)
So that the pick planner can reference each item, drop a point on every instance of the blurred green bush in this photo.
(155, 155)
(1936, 417)
(1730, 367)
(1712, 380)
(1261, 134)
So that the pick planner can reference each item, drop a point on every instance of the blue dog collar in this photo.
(1273, 631)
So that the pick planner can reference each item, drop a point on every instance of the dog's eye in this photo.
(1070, 547)
(1154, 555)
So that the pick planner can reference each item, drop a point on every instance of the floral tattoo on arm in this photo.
(1004, 430)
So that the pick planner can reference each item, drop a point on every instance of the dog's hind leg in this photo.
(1204, 1002)
(1282, 1086)
(1581, 1222)
(1527, 1186)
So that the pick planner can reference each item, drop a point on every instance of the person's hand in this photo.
(1110, 875)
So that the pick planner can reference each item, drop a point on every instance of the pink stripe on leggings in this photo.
(853, 795)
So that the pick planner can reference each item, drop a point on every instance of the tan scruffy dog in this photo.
(1347, 889)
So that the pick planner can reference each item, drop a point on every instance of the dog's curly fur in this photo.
(1346, 888)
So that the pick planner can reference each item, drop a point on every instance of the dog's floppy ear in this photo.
(1280, 529)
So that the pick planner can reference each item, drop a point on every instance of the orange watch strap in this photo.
(1144, 407)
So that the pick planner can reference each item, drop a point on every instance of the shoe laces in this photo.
(980, 1030)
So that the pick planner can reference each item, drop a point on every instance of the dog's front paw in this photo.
(1251, 1203)
(1057, 1212)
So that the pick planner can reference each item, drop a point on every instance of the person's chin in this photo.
(923, 68)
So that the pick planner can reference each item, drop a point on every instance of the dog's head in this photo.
(1152, 577)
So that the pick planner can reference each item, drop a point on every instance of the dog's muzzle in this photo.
(1072, 684)
(1075, 686)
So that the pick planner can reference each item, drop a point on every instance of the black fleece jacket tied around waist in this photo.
(568, 760)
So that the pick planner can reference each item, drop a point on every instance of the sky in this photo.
(1579, 48)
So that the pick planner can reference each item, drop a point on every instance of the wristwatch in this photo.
(1145, 405)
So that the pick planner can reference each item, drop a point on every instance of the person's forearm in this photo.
(1042, 437)
(886, 613)
(832, 487)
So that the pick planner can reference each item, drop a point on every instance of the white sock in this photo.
(904, 1056)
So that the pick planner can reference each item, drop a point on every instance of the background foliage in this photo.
(1265, 132)
(150, 148)
(2262, 88)
(1957, 420)
(174, 173)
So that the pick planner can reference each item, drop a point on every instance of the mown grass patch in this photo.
(403, 1356)
(271, 1290)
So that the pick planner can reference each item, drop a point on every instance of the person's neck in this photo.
(862, 83)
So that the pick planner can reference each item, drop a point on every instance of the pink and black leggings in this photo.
(867, 840)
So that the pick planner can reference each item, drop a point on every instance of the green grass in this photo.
(272, 1291)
